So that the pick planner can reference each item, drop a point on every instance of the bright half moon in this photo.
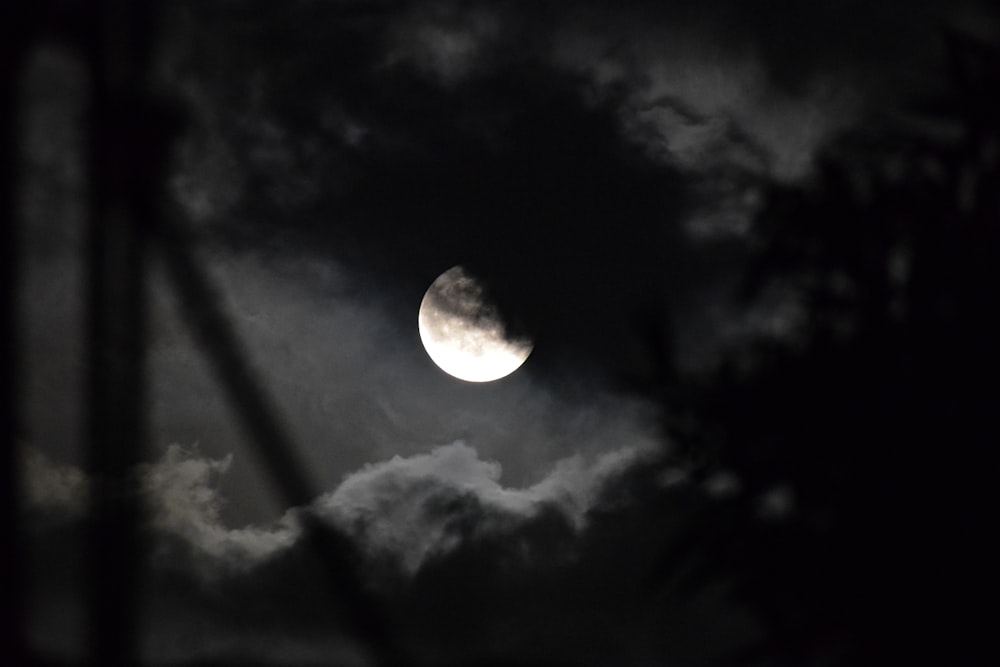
(463, 332)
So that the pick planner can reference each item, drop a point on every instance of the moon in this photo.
(463, 333)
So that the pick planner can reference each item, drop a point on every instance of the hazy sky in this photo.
(599, 168)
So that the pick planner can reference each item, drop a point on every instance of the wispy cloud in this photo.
(53, 486)
(184, 501)
(412, 508)
(406, 509)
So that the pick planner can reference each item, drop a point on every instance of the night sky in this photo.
(754, 245)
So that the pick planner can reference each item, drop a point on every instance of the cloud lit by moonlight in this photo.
(463, 332)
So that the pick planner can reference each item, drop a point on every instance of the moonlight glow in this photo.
(464, 334)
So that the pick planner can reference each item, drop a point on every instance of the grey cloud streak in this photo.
(413, 508)
(432, 527)
(184, 502)
(404, 509)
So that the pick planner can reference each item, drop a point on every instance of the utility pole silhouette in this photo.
(129, 138)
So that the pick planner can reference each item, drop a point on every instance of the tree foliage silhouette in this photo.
(873, 417)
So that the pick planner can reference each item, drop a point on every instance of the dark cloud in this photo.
(411, 517)
(512, 174)
(676, 476)
(558, 152)
(471, 572)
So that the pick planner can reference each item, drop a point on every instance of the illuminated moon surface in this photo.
(463, 332)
